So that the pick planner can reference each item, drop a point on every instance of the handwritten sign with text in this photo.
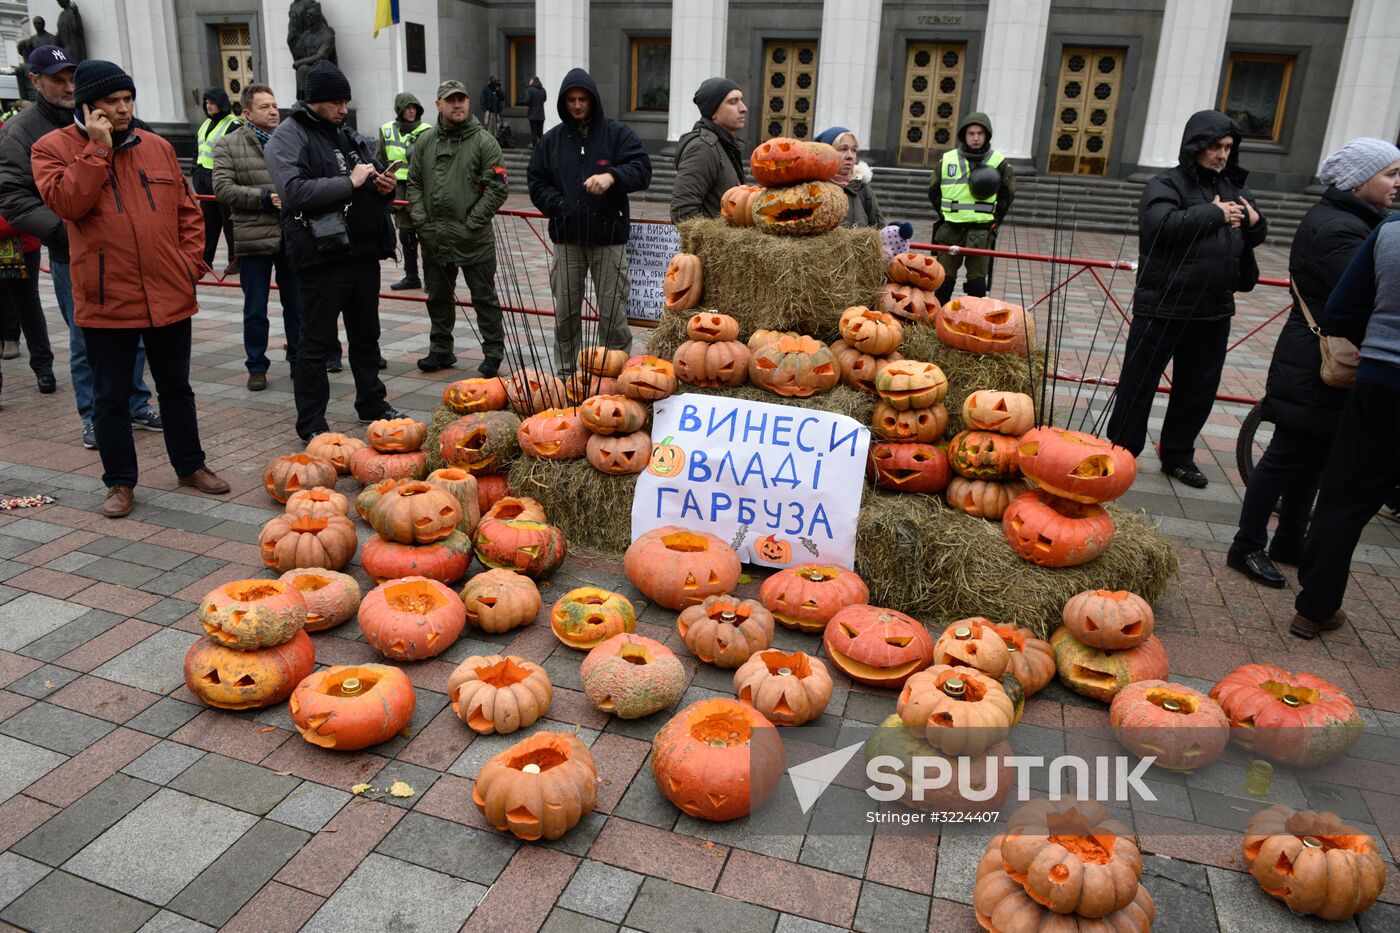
(649, 251)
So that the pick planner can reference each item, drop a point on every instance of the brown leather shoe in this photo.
(204, 480)
(118, 502)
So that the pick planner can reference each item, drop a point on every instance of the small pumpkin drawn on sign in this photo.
(772, 548)
(666, 459)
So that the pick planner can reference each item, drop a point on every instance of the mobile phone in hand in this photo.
(394, 166)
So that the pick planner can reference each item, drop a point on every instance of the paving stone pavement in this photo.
(126, 806)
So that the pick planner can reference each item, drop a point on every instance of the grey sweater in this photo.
(1365, 305)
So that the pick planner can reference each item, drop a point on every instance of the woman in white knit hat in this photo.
(1362, 180)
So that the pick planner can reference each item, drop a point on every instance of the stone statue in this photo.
(70, 31)
(41, 37)
(310, 39)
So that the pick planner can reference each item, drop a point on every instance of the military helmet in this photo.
(984, 181)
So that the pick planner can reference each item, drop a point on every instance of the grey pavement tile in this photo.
(76, 633)
(102, 547)
(17, 875)
(790, 923)
(9, 594)
(1380, 918)
(163, 717)
(32, 529)
(56, 728)
(1181, 893)
(600, 890)
(232, 880)
(46, 680)
(643, 803)
(157, 664)
(14, 547)
(1241, 906)
(119, 572)
(566, 921)
(21, 764)
(241, 532)
(170, 922)
(579, 840)
(168, 584)
(428, 704)
(450, 848)
(235, 784)
(387, 894)
(163, 762)
(62, 903)
(664, 907)
(166, 611)
(418, 778)
(71, 562)
(884, 908)
(310, 806)
(179, 502)
(178, 836)
(11, 568)
(956, 874)
(32, 616)
(66, 832)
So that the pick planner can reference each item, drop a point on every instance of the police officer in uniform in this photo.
(219, 121)
(970, 194)
(394, 144)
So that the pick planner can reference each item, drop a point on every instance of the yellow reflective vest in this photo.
(957, 203)
(210, 133)
(397, 145)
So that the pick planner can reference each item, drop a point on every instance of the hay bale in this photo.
(442, 417)
(593, 508)
(786, 283)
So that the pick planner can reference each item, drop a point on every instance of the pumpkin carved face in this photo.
(1292, 718)
(1075, 465)
(983, 498)
(973, 643)
(553, 434)
(801, 210)
(1109, 619)
(772, 550)
(684, 282)
(250, 614)
(350, 707)
(601, 361)
(984, 325)
(532, 548)
(470, 395)
(331, 598)
(396, 435)
(789, 689)
(805, 597)
(586, 617)
(917, 269)
(496, 695)
(1182, 728)
(736, 204)
(511, 508)
(582, 386)
(860, 370)
(712, 364)
(909, 384)
(1054, 532)
(227, 678)
(724, 631)
(498, 601)
(412, 618)
(676, 567)
(337, 448)
(785, 161)
(873, 332)
(295, 472)
(530, 391)
(1031, 659)
(924, 425)
(1001, 412)
(415, 513)
(794, 367)
(612, 414)
(957, 710)
(984, 455)
(317, 500)
(290, 542)
(717, 759)
(877, 647)
(619, 454)
(647, 378)
(712, 327)
(632, 676)
(908, 302)
(907, 467)
(1100, 673)
(1313, 862)
(539, 788)
(463, 488)
(486, 442)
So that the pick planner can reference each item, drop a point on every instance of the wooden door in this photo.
(235, 59)
(1086, 110)
(933, 82)
(789, 99)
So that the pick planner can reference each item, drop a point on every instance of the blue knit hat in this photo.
(830, 136)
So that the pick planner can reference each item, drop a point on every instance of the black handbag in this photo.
(328, 231)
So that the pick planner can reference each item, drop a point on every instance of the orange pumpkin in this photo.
(529, 391)
(718, 760)
(924, 425)
(860, 370)
(532, 548)
(906, 467)
(1075, 465)
(724, 631)
(973, 643)
(1053, 532)
(317, 501)
(762, 338)
(1292, 718)
(785, 161)
(369, 466)
(331, 598)
(684, 282)
(917, 269)
(805, 597)
(1109, 619)
(957, 710)
(249, 614)
(295, 472)
(1001, 902)
(910, 303)
(1313, 862)
(1002, 412)
(712, 364)
(712, 327)
(602, 361)
(794, 367)
(647, 378)
(371, 494)
(676, 567)
(290, 542)
(227, 678)
(1182, 728)
(539, 788)
(801, 210)
(499, 601)
(772, 549)
(585, 617)
(631, 676)
(553, 434)
(984, 325)
(396, 435)
(445, 562)
(906, 384)
(485, 442)
(412, 618)
(490, 488)
(513, 508)
(336, 448)
(415, 513)
(984, 455)
(736, 204)
(580, 387)
(462, 486)
(620, 454)
(983, 498)
(1073, 857)
(1100, 673)
(350, 707)
(873, 332)
(471, 395)
(989, 776)
(789, 689)
(612, 414)
(877, 647)
(666, 459)
(1032, 660)
(497, 695)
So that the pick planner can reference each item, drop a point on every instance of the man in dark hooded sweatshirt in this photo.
(580, 175)
(971, 194)
(1198, 225)
(395, 144)
(708, 159)
(219, 120)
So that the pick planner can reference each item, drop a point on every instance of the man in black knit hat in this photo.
(708, 159)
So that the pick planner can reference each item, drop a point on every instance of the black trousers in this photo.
(217, 217)
(22, 312)
(1197, 350)
(1289, 473)
(1362, 470)
(536, 131)
(111, 352)
(327, 291)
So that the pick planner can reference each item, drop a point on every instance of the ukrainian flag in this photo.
(386, 14)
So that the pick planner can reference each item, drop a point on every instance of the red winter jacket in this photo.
(135, 236)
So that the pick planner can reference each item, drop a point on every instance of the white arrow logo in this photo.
(811, 778)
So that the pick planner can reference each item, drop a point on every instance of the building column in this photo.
(1008, 84)
(153, 61)
(847, 67)
(1186, 77)
(561, 43)
(699, 30)
(1366, 101)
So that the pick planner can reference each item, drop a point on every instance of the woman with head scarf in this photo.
(864, 208)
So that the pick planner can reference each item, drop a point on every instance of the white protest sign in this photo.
(649, 250)
(781, 484)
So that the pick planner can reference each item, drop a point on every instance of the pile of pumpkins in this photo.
(967, 323)
(794, 195)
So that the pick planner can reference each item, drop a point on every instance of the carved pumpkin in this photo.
(647, 378)
(924, 425)
(585, 617)
(1053, 532)
(368, 496)
(612, 414)
(490, 489)
(1100, 673)
(788, 689)
(877, 647)
(984, 325)
(982, 498)
(805, 597)
(580, 387)
(532, 548)
(350, 707)
(860, 370)
(462, 486)
(717, 759)
(676, 567)
(601, 361)
(973, 643)
(415, 513)
(529, 391)
(1031, 660)
(486, 442)
(1292, 718)
(1072, 857)
(620, 454)
(917, 269)
(712, 327)
(227, 678)
(1075, 465)
(1001, 412)
(249, 614)
(1313, 862)
(331, 598)
(396, 435)
(466, 396)
(801, 210)
(499, 601)
(973, 772)
(907, 467)
(984, 455)
(785, 161)
(762, 338)
(445, 562)
(684, 282)
(957, 710)
(736, 204)
(553, 434)
(539, 788)
(794, 367)
(512, 508)
(1182, 728)
(725, 631)
(632, 676)
(910, 303)
(317, 501)
(497, 695)
(294, 472)
(370, 466)
(1001, 902)
(907, 384)
(290, 542)
(335, 448)
(666, 459)
(1109, 619)
(873, 332)
(412, 618)
(712, 364)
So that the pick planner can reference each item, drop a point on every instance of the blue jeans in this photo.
(78, 365)
(255, 277)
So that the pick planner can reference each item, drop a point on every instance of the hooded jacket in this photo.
(572, 152)
(202, 176)
(20, 203)
(535, 96)
(456, 183)
(708, 163)
(1190, 261)
(1006, 193)
(401, 100)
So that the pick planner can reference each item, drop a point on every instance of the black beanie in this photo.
(326, 82)
(712, 93)
(95, 79)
